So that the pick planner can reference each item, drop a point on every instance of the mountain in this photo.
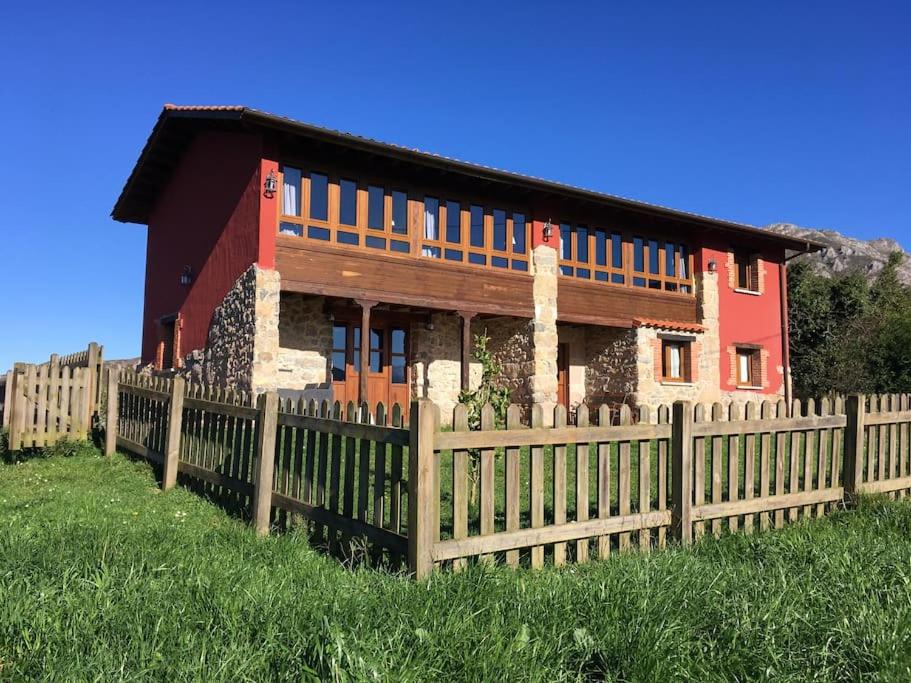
(843, 254)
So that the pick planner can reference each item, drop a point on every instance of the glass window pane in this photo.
(499, 230)
(376, 361)
(399, 212)
(638, 255)
(431, 218)
(315, 233)
(617, 279)
(338, 366)
(600, 247)
(376, 340)
(398, 370)
(402, 247)
(376, 207)
(519, 232)
(430, 251)
(319, 197)
(566, 270)
(583, 273)
(478, 259)
(356, 349)
(343, 237)
(616, 250)
(675, 361)
(454, 222)
(398, 340)
(744, 368)
(520, 265)
(653, 256)
(670, 256)
(291, 229)
(477, 226)
(453, 255)
(375, 242)
(291, 191)
(566, 245)
(582, 244)
(499, 262)
(339, 336)
(347, 211)
(684, 261)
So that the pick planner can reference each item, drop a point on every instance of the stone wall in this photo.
(241, 348)
(304, 346)
(544, 330)
(610, 365)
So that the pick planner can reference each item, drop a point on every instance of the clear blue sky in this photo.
(789, 111)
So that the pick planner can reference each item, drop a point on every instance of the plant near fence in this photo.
(557, 494)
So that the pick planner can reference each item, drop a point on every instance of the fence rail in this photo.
(523, 495)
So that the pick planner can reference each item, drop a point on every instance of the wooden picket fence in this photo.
(56, 399)
(522, 495)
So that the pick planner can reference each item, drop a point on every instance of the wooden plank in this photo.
(855, 433)
(172, 447)
(582, 475)
(139, 449)
(809, 455)
(889, 417)
(42, 388)
(265, 462)
(780, 446)
(363, 467)
(645, 481)
(885, 485)
(536, 484)
(783, 425)
(460, 481)
(549, 436)
(347, 525)
(698, 464)
(379, 473)
(733, 484)
(604, 455)
(903, 454)
(156, 395)
(682, 472)
(717, 446)
(794, 458)
(395, 482)
(110, 424)
(765, 454)
(307, 486)
(788, 500)
(487, 492)
(333, 501)
(624, 476)
(423, 489)
(538, 537)
(663, 418)
(559, 484)
(513, 421)
(870, 469)
(350, 463)
(216, 478)
(749, 466)
(822, 454)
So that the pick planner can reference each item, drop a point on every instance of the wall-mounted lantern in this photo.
(270, 186)
(548, 230)
(186, 277)
(713, 266)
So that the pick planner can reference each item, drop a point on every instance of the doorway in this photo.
(563, 375)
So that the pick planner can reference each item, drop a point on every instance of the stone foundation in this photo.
(304, 346)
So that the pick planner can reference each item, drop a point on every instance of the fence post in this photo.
(17, 411)
(267, 404)
(422, 490)
(7, 398)
(853, 462)
(682, 472)
(93, 380)
(172, 445)
(110, 423)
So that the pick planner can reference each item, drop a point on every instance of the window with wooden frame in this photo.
(676, 362)
(342, 210)
(473, 234)
(749, 367)
(608, 256)
(746, 265)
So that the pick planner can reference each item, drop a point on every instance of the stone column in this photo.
(709, 360)
(543, 382)
(264, 372)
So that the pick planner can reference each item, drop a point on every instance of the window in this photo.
(168, 343)
(746, 266)
(376, 208)
(398, 355)
(749, 367)
(376, 350)
(339, 352)
(319, 197)
(675, 358)
(291, 191)
(431, 227)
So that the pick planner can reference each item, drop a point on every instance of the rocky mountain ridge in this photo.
(843, 254)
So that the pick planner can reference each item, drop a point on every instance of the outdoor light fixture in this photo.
(548, 230)
(713, 266)
(271, 185)
(186, 277)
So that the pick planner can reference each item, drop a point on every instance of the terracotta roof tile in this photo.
(672, 325)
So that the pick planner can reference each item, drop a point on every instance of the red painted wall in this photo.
(208, 217)
(745, 318)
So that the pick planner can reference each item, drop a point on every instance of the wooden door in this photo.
(387, 369)
(563, 375)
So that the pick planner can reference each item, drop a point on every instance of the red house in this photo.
(286, 256)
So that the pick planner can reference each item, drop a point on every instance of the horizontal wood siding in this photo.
(596, 303)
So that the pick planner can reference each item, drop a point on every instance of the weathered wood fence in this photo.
(520, 495)
(56, 399)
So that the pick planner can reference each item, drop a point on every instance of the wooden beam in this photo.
(466, 317)
(366, 306)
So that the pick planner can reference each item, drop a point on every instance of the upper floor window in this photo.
(595, 253)
(746, 271)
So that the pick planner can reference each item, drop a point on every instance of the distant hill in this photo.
(844, 254)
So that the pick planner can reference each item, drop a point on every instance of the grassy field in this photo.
(102, 577)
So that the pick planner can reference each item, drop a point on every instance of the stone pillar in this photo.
(543, 381)
(710, 357)
(264, 371)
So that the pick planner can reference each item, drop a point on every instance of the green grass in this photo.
(102, 577)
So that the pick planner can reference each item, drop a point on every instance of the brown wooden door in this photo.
(387, 370)
(563, 375)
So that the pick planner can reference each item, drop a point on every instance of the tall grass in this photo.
(102, 577)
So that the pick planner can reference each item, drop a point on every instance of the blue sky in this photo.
(792, 112)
